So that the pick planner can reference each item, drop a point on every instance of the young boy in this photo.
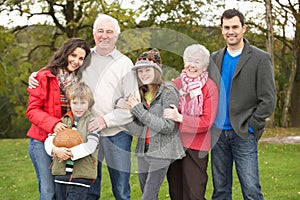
(75, 168)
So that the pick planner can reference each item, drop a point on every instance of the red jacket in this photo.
(195, 131)
(44, 106)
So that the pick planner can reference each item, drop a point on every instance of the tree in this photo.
(270, 44)
(28, 48)
(295, 105)
(13, 98)
(291, 103)
(169, 25)
(284, 14)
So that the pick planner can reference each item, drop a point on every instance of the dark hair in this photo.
(60, 57)
(230, 13)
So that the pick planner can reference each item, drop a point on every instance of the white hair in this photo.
(199, 49)
(104, 17)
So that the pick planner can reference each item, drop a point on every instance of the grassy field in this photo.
(279, 171)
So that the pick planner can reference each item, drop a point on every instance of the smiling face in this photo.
(193, 65)
(79, 106)
(233, 31)
(105, 37)
(75, 59)
(146, 74)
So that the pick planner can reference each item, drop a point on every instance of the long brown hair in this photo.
(60, 58)
(155, 85)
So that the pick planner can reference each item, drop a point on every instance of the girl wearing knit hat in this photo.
(158, 139)
(196, 112)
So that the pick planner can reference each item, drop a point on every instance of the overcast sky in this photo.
(17, 20)
(243, 6)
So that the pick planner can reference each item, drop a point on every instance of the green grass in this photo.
(279, 172)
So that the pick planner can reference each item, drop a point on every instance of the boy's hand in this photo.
(61, 153)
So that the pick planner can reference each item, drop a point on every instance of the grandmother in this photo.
(195, 115)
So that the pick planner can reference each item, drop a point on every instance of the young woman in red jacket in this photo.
(47, 103)
(196, 112)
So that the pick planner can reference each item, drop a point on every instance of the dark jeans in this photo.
(70, 192)
(243, 152)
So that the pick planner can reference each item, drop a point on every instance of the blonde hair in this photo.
(82, 91)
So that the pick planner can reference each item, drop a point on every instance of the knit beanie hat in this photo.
(149, 58)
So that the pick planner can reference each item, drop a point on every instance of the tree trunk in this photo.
(270, 46)
(287, 103)
(295, 104)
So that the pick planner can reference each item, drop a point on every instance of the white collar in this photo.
(236, 52)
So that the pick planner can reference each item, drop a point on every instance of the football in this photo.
(67, 138)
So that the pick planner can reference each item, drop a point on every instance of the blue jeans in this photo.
(232, 148)
(70, 192)
(116, 151)
(41, 162)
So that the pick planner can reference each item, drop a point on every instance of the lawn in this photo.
(279, 172)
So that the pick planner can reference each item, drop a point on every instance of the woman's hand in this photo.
(59, 126)
(172, 113)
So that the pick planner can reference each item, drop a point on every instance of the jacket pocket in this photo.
(258, 133)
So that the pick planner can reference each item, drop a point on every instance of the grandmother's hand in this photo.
(172, 113)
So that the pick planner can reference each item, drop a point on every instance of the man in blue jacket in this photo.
(245, 77)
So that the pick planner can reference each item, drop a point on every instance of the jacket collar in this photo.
(245, 55)
(114, 53)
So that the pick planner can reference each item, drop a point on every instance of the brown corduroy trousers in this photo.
(187, 177)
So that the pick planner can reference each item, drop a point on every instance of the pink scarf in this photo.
(193, 87)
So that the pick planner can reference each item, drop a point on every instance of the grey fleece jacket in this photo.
(164, 136)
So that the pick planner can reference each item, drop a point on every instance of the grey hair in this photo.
(104, 17)
(200, 49)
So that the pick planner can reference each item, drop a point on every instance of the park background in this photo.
(31, 30)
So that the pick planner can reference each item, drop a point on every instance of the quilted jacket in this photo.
(44, 106)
